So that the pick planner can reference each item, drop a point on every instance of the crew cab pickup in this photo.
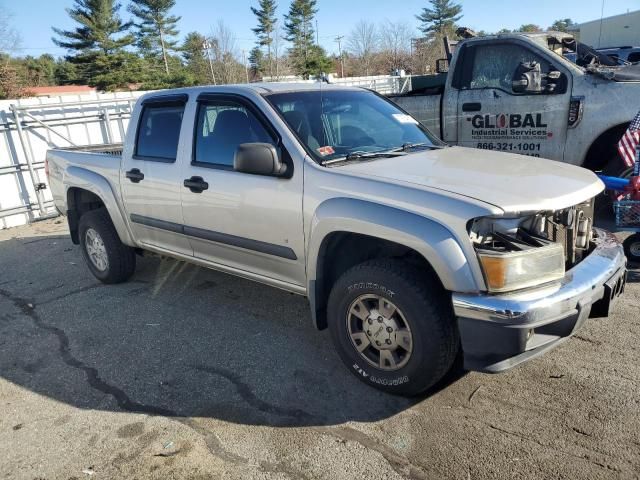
(517, 93)
(410, 251)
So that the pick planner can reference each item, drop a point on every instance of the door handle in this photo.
(196, 184)
(471, 107)
(135, 175)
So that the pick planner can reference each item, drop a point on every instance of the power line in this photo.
(601, 21)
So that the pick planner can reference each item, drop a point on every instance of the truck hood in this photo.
(627, 73)
(514, 183)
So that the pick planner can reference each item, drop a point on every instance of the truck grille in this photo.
(572, 228)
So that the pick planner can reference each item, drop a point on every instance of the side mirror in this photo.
(442, 65)
(259, 159)
(528, 78)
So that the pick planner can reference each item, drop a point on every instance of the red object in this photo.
(59, 90)
(633, 189)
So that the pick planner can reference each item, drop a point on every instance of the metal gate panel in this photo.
(29, 127)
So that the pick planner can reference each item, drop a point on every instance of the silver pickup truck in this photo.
(411, 252)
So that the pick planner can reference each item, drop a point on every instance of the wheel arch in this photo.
(603, 149)
(89, 191)
(347, 232)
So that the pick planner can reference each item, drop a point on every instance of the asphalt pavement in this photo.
(184, 372)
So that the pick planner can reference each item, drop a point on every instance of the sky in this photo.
(33, 19)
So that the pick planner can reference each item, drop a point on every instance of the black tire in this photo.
(632, 248)
(604, 201)
(617, 168)
(121, 259)
(423, 305)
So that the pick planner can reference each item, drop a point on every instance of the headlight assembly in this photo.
(512, 270)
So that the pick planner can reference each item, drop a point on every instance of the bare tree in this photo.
(395, 43)
(11, 82)
(227, 67)
(281, 60)
(362, 44)
(9, 37)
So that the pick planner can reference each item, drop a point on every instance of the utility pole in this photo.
(317, 34)
(207, 48)
(246, 69)
(339, 40)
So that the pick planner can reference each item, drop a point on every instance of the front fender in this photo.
(77, 177)
(433, 241)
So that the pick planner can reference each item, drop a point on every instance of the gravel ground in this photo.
(189, 373)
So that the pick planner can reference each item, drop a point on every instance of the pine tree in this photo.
(564, 25)
(98, 44)
(267, 21)
(196, 63)
(440, 19)
(256, 60)
(299, 31)
(155, 28)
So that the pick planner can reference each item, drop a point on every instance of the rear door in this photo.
(492, 116)
(151, 177)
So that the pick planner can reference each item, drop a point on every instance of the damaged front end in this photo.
(530, 250)
(546, 273)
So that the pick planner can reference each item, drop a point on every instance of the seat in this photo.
(231, 129)
(299, 122)
(162, 135)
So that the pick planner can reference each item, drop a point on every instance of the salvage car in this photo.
(517, 93)
(411, 252)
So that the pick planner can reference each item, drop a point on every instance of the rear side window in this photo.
(223, 126)
(159, 133)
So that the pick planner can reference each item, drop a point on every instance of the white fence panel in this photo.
(47, 122)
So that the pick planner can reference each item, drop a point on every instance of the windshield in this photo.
(345, 124)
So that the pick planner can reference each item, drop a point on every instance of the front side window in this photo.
(334, 124)
(159, 133)
(495, 65)
(222, 127)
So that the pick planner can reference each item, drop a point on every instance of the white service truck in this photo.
(518, 93)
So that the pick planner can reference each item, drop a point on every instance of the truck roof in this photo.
(259, 88)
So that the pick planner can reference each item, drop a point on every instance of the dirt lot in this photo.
(189, 373)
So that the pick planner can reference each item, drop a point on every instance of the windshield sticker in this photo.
(404, 118)
(324, 151)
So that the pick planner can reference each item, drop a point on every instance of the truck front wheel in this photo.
(632, 248)
(393, 326)
(109, 260)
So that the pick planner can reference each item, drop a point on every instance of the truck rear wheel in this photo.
(109, 260)
(393, 326)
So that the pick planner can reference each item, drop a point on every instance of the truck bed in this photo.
(423, 107)
(109, 148)
(81, 162)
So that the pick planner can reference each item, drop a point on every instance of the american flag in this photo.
(629, 142)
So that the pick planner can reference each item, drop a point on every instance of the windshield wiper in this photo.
(364, 156)
(359, 155)
(410, 146)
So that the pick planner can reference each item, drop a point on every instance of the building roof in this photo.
(59, 90)
(605, 19)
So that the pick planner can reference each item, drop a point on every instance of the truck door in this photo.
(151, 177)
(249, 223)
(491, 115)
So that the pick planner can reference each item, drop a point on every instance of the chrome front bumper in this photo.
(501, 331)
